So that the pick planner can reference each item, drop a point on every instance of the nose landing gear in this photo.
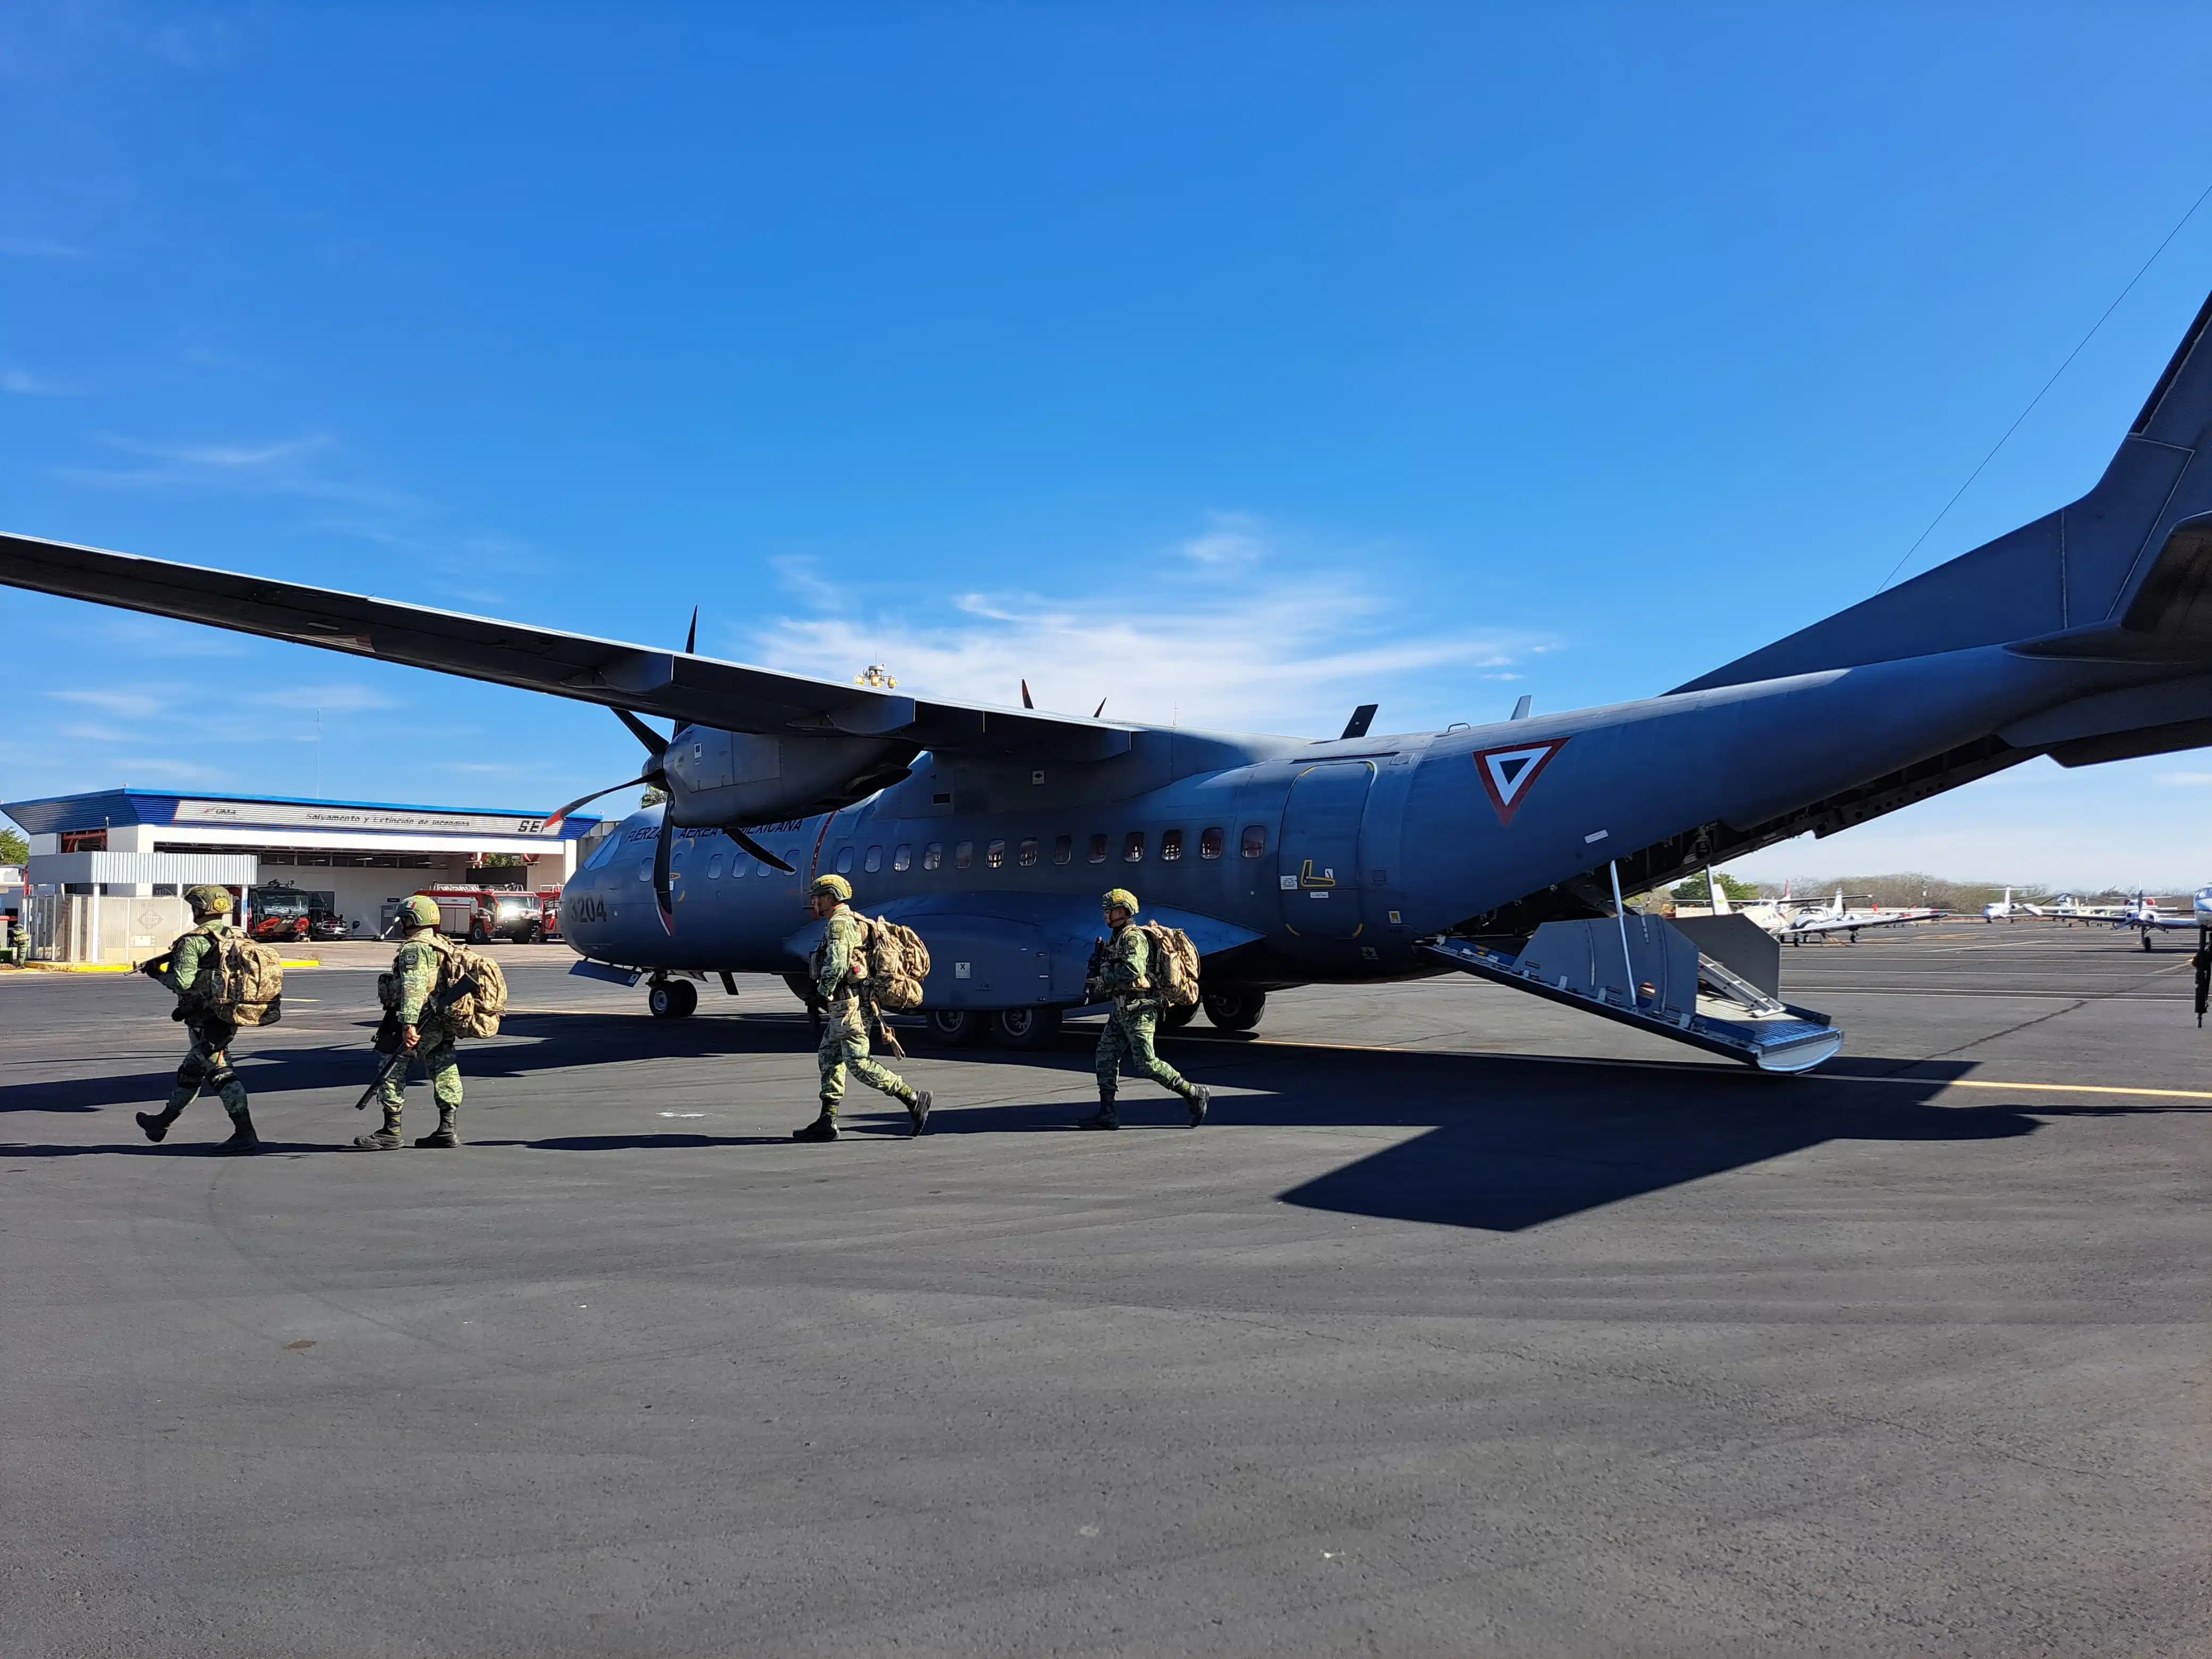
(672, 999)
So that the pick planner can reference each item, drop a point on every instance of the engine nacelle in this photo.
(740, 778)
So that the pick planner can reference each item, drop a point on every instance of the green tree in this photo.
(14, 849)
(651, 797)
(1696, 891)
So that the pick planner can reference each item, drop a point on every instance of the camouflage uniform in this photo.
(1123, 975)
(846, 1016)
(415, 968)
(207, 1061)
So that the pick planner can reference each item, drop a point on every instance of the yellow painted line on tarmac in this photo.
(1686, 1065)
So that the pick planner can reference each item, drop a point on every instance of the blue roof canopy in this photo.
(100, 808)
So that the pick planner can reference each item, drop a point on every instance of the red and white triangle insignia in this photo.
(1509, 774)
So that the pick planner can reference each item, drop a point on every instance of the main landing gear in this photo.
(1022, 1028)
(1234, 1007)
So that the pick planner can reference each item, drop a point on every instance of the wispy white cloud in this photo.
(2184, 780)
(1230, 539)
(143, 704)
(337, 698)
(1284, 645)
(289, 466)
(21, 383)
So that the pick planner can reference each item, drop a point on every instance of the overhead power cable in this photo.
(2047, 385)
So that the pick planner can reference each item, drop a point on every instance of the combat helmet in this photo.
(208, 900)
(836, 886)
(1120, 898)
(420, 912)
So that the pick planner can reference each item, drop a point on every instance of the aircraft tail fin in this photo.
(2126, 568)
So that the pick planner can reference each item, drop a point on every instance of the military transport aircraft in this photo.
(1501, 850)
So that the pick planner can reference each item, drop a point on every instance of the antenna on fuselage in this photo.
(1026, 703)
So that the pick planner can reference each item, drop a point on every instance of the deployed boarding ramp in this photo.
(1644, 971)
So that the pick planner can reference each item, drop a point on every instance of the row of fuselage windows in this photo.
(1022, 853)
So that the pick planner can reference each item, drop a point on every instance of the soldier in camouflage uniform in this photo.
(423, 1033)
(185, 970)
(1123, 966)
(846, 1015)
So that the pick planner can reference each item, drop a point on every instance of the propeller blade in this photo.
(554, 823)
(691, 639)
(1101, 709)
(661, 894)
(655, 744)
(758, 851)
(1026, 703)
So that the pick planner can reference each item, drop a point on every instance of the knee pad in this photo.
(221, 1079)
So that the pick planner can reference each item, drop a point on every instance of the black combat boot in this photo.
(242, 1138)
(823, 1128)
(156, 1124)
(1105, 1118)
(918, 1109)
(444, 1134)
(386, 1140)
(1200, 1098)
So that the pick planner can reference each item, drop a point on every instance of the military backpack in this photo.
(241, 979)
(1173, 971)
(897, 963)
(476, 1011)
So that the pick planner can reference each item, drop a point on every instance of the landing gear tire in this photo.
(1237, 1008)
(1024, 1027)
(1174, 1019)
(673, 998)
(957, 1028)
(2146, 941)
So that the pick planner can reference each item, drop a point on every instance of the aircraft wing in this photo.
(679, 685)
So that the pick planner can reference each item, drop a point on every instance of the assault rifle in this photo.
(397, 1061)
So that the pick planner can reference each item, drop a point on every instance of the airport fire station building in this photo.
(356, 860)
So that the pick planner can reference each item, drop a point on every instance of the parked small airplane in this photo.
(1836, 917)
(2147, 921)
(1503, 850)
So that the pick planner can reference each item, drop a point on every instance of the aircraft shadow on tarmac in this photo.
(1511, 1143)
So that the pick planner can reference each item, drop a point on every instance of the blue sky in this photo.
(1240, 363)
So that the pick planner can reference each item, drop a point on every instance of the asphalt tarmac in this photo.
(1467, 1325)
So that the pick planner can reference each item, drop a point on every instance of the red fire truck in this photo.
(484, 913)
